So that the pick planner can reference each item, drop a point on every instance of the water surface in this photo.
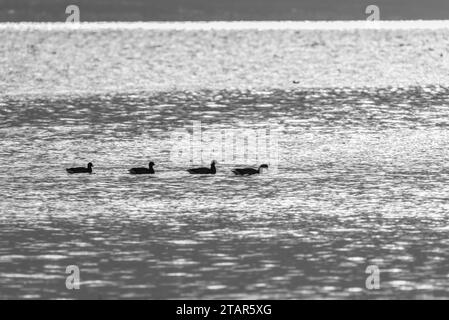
(362, 180)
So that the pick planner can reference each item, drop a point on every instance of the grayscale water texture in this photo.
(363, 177)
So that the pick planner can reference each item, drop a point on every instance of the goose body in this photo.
(248, 171)
(148, 170)
(81, 169)
(211, 170)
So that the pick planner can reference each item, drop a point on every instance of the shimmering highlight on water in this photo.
(363, 180)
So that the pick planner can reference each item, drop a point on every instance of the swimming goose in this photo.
(249, 171)
(81, 169)
(212, 169)
(148, 170)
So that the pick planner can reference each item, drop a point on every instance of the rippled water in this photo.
(128, 57)
(363, 180)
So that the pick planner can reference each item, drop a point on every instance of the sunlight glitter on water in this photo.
(100, 58)
(237, 25)
(358, 184)
(363, 177)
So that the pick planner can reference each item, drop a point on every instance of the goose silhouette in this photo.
(81, 169)
(148, 170)
(211, 170)
(249, 171)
